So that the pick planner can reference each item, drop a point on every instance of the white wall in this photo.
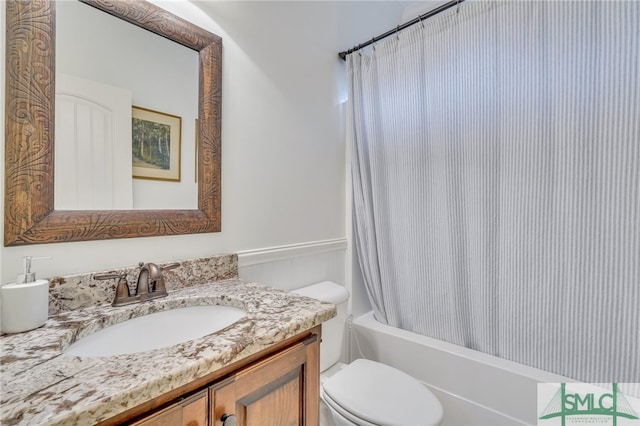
(283, 171)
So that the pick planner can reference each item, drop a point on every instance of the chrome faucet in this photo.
(150, 284)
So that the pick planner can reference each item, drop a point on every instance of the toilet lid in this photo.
(382, 395)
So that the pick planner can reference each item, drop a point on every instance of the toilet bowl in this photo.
(366, 392)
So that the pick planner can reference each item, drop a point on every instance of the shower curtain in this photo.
(495, 161)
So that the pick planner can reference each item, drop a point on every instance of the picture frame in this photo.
(155, 144)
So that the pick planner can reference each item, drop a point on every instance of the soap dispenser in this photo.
(25, 303)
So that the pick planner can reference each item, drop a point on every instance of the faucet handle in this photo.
(122, 289)
(170, 266)
(123, 294)
(163, 268)
(108, 276)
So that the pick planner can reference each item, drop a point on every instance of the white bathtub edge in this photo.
(484, 386)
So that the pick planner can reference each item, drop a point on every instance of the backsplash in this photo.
(72, 292)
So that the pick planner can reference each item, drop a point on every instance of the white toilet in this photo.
(366, 392)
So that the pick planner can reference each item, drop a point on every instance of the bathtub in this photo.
(474, 388)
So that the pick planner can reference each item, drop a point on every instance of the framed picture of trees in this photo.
(155, 144)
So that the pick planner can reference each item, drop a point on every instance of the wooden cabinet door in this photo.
(281, 390)
(191, 411)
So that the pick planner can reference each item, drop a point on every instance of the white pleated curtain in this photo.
(495, 160)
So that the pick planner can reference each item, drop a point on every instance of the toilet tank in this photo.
(332, 330)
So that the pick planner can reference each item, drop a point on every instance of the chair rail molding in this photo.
(273, 254)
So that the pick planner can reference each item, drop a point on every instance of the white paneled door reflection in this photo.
(92, 145)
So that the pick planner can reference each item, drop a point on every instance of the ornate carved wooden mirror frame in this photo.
(30, 217)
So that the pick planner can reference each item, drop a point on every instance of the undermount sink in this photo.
(156, 330)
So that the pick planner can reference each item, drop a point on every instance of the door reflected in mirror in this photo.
(104, 67)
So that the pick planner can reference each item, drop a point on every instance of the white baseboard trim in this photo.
(273, 254)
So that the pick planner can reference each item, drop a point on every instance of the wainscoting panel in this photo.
(294, 266)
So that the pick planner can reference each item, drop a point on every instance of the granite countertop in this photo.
(42, 385)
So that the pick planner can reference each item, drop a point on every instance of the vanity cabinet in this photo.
(279, 386)
(191, 411)
(280, 390)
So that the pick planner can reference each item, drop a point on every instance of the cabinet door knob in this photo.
(228, 420)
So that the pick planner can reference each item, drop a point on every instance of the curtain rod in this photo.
(343, 55)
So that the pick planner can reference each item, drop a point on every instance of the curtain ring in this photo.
(398, 32)
(421, 21)
(373, 43)
(457, 6)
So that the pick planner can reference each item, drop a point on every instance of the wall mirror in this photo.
(30, 216)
